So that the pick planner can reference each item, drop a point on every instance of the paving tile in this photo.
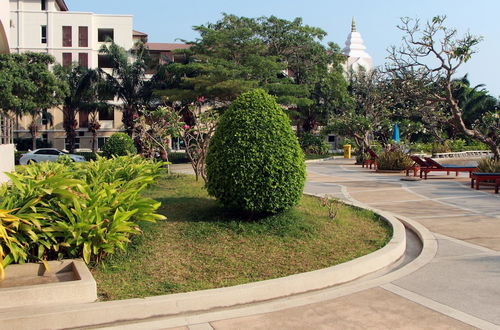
(468, 284)
(383, 196)
(374, 309)
(480, 230)
(419, 208)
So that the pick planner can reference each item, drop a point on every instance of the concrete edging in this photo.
(82, 315)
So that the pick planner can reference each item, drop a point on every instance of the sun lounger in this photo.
(418, 165)
(477, 178)
(437, 167)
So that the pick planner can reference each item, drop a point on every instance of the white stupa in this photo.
(355, 50)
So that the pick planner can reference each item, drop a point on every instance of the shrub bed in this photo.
(395, 160)
(72, 210)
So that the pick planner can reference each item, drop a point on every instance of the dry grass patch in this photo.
(203, 245)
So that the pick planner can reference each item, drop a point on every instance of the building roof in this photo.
(160, 46)
(62, 5)
(136, 33)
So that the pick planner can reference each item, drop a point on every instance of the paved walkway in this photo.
(459, 288)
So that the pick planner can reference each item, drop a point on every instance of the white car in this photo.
(47, 155)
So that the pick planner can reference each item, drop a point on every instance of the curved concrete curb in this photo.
(319, 160)
(169, 305)
(429, 249)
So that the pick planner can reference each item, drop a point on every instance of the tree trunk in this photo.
(128, 120)
(94, 141)
(33, 128)
(70, 125)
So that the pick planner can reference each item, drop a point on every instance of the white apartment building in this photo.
(47, 26)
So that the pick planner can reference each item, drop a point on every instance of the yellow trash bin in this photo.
(347, 151)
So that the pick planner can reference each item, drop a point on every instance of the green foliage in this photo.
(237, 54)
(128, 80)
(119, 144)
(58, 210)
(254, 161)
(488, 165)
(313, 144)
(27, 84)
(394, 160)
(88, 155)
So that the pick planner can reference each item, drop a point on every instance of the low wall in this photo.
(6, 160)
(464, 154)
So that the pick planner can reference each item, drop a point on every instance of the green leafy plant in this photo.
(488, 165)
(119, 144)
(313, 144)
(254, 161)
(394, 160)
(89, 210)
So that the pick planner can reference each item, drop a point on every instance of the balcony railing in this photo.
(6, 130)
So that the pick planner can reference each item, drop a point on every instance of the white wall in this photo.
(6, 160)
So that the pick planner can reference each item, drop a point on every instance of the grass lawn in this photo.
(202, 246)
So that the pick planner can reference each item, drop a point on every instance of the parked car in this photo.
(47, 155)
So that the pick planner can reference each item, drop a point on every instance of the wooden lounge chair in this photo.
(372, 160)
(445, 168)
(418, 165)
(477, 178)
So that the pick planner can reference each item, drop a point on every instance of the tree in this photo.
(29, 87)
(128, 80)
(370, 109)
(154, 129)
(196, 126)
(238, 54)
(79, 80)
(432, 54)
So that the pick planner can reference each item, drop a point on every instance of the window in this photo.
(81, 133)
(67, 36)
(52, 152)
(108, 114)
(104, 35)
(45, 137)
(83, 119)
(83, 36)
(104, 62)
(67, 59)
(101, 141)
(44, 34)
(43, 4)
(83, 59)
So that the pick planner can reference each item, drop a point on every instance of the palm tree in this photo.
(128, 80)
(37, 115)
(79, 80)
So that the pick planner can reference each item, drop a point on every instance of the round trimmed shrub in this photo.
(254, 160)
(119, 144)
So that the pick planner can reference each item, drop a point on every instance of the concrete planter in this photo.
(68, 281)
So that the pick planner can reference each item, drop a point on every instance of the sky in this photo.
(170, 20)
